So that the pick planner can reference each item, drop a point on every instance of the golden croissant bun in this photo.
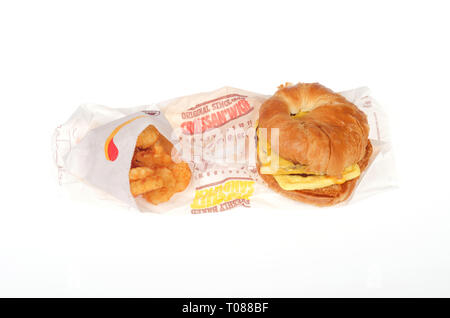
(328, 135)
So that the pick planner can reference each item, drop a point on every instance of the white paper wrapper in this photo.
(216, 186)
(95, 148)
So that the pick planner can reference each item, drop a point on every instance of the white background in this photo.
(56, 55)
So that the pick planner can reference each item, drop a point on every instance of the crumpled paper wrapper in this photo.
(81, 153)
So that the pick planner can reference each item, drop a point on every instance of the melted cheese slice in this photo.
(297, 182)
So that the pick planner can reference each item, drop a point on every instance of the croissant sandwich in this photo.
(322, 142)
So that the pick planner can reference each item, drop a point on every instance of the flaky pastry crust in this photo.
(331, 136)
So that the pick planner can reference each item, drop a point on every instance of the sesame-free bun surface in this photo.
(331, 136)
